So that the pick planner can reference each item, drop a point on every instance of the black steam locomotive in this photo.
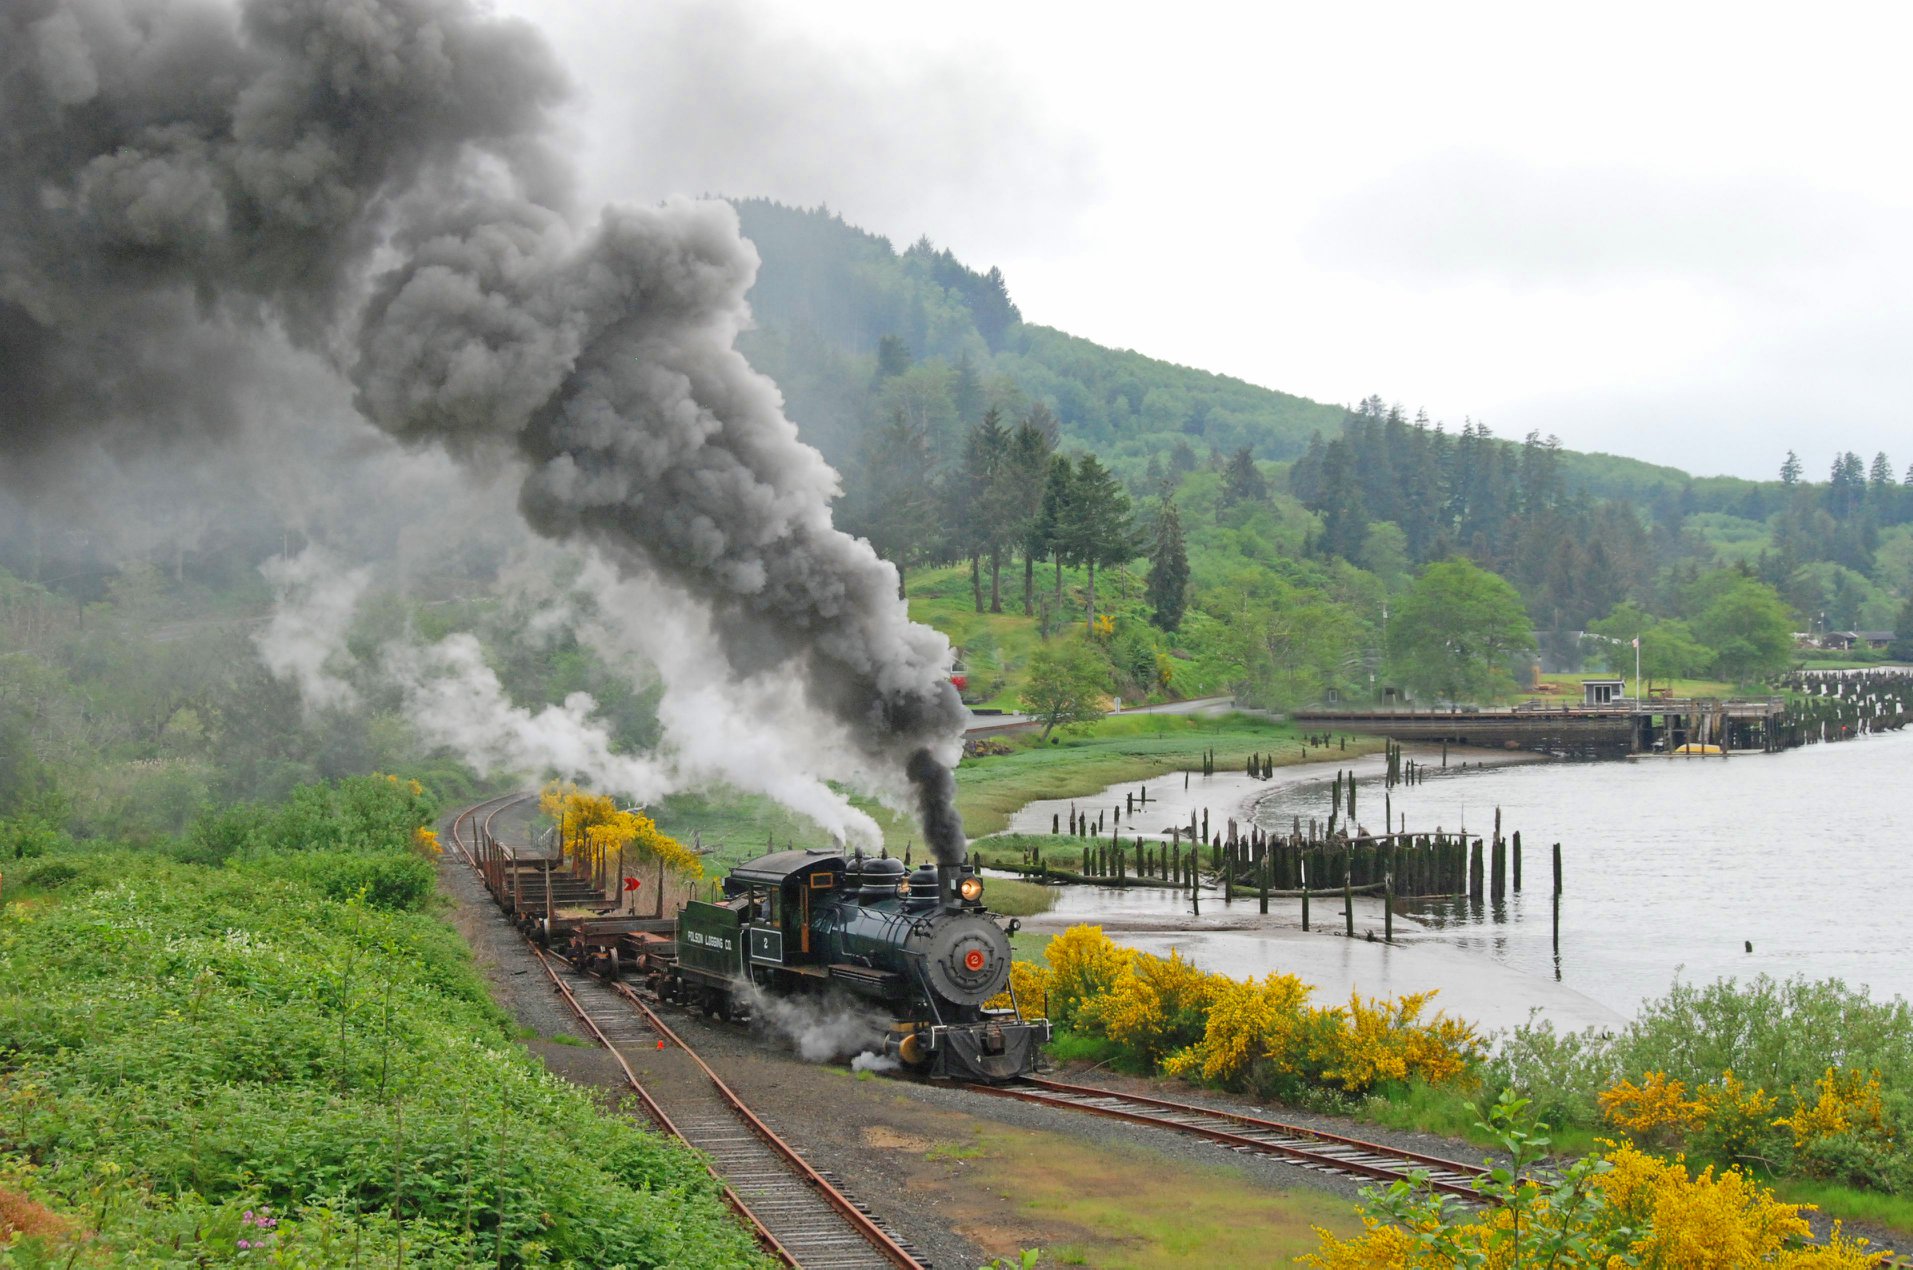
(920, 944)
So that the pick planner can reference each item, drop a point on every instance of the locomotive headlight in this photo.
(971, 889)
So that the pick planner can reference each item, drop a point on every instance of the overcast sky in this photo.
(1673, 232)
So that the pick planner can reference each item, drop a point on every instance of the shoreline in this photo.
(1237, 940)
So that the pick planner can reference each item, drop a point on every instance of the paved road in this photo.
(990, 724)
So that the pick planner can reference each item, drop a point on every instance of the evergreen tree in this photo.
(895, 504)
(1790, 470)
(1168, 568)
(1098, 529)
(980, 528)
(968, 390)
(1242, 481)
(1048, 533)
(893, 357)
(1031, 446)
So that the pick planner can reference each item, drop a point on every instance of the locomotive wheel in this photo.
(910, 1051)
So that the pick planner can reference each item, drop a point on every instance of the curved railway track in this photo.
(797, 1212)
(1309, 1148)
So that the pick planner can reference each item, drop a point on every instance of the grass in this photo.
(1018, 899)
(1107, 1205)
(1570, 686)
(1894, 1212)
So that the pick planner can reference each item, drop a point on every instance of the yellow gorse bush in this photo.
(1262, 1033)
(1844, 1101)
(1646, 1211)
(1030, 983)
(1734, 1118)
(1656, 1105)
(594, 831)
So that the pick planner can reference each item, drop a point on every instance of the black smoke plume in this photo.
(193, 189)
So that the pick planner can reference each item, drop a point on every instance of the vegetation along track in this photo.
(799, 1215)
(1309, 1148)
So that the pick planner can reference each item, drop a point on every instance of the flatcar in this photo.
(920, 945)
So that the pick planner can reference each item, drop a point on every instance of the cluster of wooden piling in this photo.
(1842, 705)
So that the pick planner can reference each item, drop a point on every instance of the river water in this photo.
(1672, 866)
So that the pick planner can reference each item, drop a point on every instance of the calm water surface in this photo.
(1672, 865)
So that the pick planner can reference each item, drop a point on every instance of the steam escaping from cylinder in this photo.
(202, 192)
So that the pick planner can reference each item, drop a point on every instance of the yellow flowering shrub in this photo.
(1655, 1107)
(1736, 1120)
(425, 841)
(1387, 1041)
(1084, 963)
(1261, 1035)
(1031, 985)
(1158, 1006)
(1381, 1246)
(1634, 1209)
(1845, 1101)
(593, 832)
(1246, 1020)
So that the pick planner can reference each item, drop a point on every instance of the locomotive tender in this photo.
(920, 945)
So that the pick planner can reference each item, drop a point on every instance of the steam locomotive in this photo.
(919, 944)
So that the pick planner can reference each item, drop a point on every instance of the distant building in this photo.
(1601, 692)
(1849, 640)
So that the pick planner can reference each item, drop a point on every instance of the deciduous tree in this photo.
(1455, 630)
(1067, 686)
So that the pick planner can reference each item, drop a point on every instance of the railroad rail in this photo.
(798, 1214)
(1309, 1148)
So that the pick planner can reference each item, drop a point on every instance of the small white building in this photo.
(1602, 692)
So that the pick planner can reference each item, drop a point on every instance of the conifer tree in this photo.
(1097, 531)
(1168, 569)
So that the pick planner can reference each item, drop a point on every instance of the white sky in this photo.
(1671, 231)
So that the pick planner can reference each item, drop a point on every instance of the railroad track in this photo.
(798, 1213)
(1308, 1148)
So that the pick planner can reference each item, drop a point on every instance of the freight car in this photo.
(920, 945)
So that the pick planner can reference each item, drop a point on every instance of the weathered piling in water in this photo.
(1517, 862)
(1348, 892)
(1388, 896)
(1475, 872)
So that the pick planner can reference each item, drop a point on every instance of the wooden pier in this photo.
(1617, 728)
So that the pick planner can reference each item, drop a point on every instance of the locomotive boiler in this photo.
(920, 945)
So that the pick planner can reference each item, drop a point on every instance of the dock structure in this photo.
(1614, 728)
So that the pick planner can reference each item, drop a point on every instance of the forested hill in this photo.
(948, 414)
(855, 331)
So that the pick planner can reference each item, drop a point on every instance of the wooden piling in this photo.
(1388, 896)
(1348, 891)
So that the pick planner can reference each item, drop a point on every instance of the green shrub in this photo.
(405, 882)
(284, 1050)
